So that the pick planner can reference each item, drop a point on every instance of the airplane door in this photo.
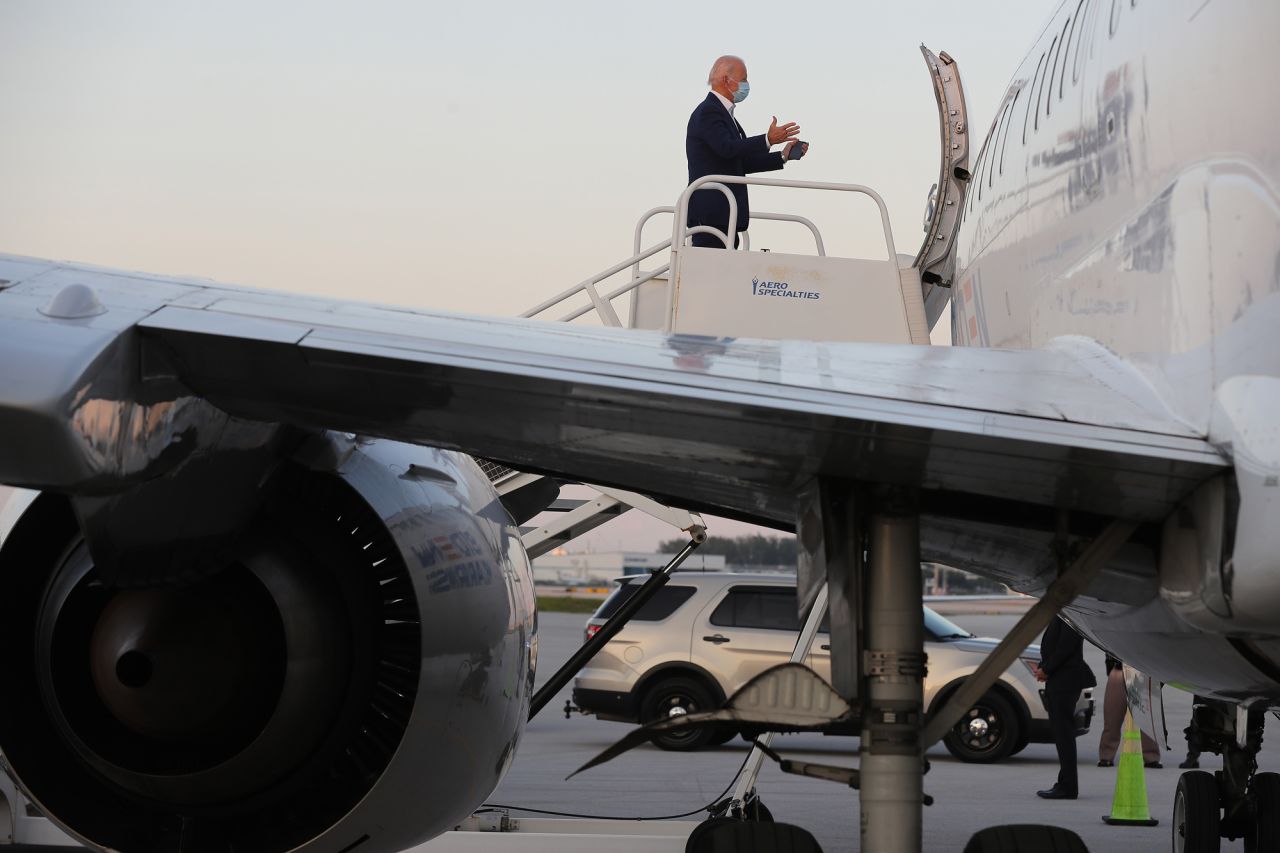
(936, 260)
(748, 630)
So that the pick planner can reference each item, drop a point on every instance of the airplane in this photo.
(271, 490)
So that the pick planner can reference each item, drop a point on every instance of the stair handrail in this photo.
(626, 288)
(600, 304)
(777, 217)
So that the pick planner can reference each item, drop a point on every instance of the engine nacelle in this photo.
(357, 678)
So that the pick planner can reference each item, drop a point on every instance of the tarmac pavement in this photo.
(968, 797)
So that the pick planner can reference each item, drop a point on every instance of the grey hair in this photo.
(721, 65)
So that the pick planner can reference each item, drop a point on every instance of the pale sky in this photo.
(474, 157)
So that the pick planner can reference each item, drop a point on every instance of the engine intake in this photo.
(281, 703)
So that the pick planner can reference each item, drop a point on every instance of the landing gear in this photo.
(865, 545)
(892, 759)
(1236, 802)
(1019, 838)
(1195, 814)
(1265, 793)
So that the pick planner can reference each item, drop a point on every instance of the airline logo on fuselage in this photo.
(464, 564)
(968, 320)
(781, 289)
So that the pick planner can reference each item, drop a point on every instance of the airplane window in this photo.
(986, 165)
(1030, 106)
(1005, 143)
(1040, 91)
(982, 162)
(1049, 98)
(977, 179)
(1115, 16)
(1066, 53)
(995, 138)
(1084, 28)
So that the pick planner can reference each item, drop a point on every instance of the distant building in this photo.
(944, 580)
(603, 567)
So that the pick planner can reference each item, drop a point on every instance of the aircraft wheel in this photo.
(756, 810)
(1025, 838)
(1196, 814)
(1265, 792)
(673, 697)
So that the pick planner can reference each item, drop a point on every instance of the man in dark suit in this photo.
(1065, 674)
(716, 144)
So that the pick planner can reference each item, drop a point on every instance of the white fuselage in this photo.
(1143, 208)
(1128, 194)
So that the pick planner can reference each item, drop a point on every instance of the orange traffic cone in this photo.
(1129, 804)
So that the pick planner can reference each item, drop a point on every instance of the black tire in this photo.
(678, 695)
(1025, 838)
(989, 731)
(756, 810)
(1022, 742)
(723, 736)
(1196, 814)
(1264, 790)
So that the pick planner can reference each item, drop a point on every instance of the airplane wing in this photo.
(730, 425)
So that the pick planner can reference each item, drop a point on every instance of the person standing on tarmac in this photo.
(1114, 706)
(1192, 761)
(1065, 676)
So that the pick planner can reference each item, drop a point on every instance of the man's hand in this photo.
(777, 134)
(1040, 674)
(786, 149)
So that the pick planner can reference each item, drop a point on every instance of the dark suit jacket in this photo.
(715, 144)
(1062, 659)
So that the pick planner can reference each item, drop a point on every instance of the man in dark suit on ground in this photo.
(1065, 674)
(716, 144)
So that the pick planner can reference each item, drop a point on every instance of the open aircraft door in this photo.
(936, 261)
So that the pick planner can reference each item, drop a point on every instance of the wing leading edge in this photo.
(731, 425)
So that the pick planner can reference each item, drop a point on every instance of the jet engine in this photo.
(355, 676)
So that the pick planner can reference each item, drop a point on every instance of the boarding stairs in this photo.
(736, 293)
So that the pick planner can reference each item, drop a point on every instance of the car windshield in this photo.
(942, 628)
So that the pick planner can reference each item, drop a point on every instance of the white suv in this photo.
(703, 636)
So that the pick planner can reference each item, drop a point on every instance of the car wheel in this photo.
(1022, 742)
(989, 731)
(672, 697)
